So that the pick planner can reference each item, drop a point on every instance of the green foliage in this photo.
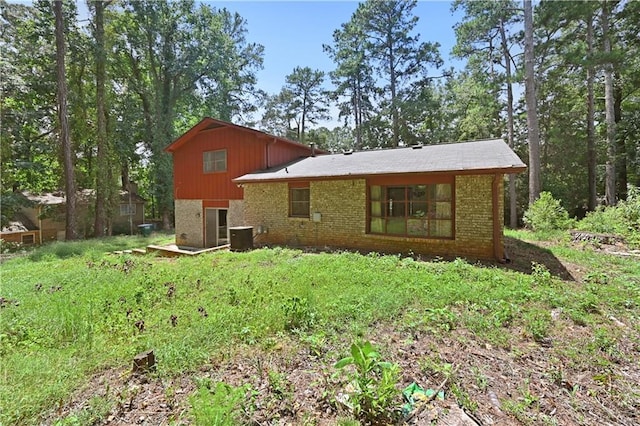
(219, 404)
(374, 381)
(622, 219)
(537, 323)
(441, 318)
(298, 314)
(546, 214)
(11, 202)
(95, 248)
(11, 247)
(97, 411)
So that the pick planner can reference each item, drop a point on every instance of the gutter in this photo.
(498, 249)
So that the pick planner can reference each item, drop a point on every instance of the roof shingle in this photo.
(482, 156)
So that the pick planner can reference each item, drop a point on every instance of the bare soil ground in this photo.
(525, 383)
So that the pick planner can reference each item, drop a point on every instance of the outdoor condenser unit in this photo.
(241, 238)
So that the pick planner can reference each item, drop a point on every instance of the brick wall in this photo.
(342, 206)
(235, 215)
(189, 223)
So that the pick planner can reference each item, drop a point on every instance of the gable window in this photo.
(127, 209)
(419, 210)
(214, 161)
(299, 201)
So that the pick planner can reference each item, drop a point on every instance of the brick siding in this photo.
(342, 206)
(189, 223)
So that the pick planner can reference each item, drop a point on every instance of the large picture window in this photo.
(299, 200)
(420, 210)
(214, 161)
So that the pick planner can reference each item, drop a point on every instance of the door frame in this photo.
(216, 238)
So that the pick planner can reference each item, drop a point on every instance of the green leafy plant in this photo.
(538, 324)
(441, 318)
(298, 314)
(540, 275)
(547, 214)
(374, 384)
(219, 404)
(279, 384)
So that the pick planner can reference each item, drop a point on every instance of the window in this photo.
(28, 239)
(412, 210)
(214, 161)
(299, 200)
(127, 209)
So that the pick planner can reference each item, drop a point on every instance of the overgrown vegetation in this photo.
(547, 215)
(70, 310)
(622, 219)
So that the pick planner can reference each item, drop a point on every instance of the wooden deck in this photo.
(173, 250)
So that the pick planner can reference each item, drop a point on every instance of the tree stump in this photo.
(144, 361)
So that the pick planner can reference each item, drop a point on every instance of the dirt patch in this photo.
(527, 383)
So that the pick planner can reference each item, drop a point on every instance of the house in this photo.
(445, 200)
(41, 221)
(20, 230)
(44, 219)
(206, 159)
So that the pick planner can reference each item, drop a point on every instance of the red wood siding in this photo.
(246, 152)
(282, 152)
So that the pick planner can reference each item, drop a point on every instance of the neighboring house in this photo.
(445, 200)
(20, 230)
(130, 212)
(44, 217)
(206, 159)
(44, 220)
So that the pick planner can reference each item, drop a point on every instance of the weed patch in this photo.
(63, 318)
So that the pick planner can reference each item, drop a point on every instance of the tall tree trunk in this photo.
(395, 126)
(124, 175)
(303, 119)
(621, 148)
(357, 112)
(513, 204)
(164, 172)
(71, 232)
(610, 168)
(532, 113)
(591, 132)
(102, 172)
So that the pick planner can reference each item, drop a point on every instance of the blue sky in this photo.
(293, 32)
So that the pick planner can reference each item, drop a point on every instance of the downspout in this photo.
(498, 249)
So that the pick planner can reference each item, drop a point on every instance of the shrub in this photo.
(547, 214)
(10, 247)
(622, 219)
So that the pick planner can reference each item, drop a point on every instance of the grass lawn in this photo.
(250, 338)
